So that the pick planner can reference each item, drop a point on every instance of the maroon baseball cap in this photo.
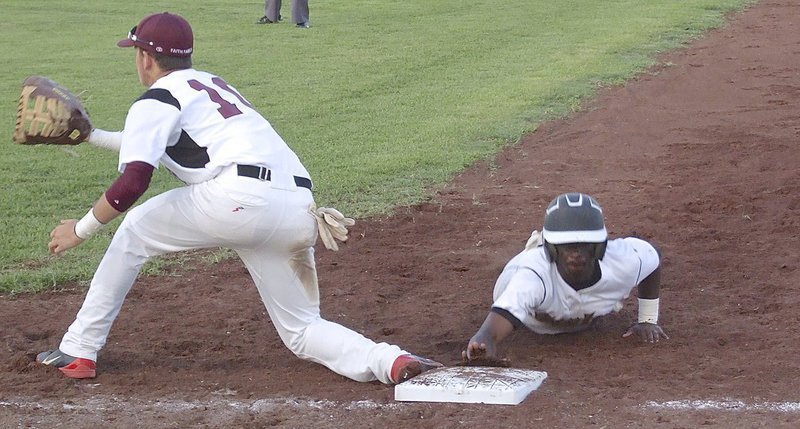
(164, 33)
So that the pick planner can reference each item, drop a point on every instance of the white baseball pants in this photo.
(270, 228)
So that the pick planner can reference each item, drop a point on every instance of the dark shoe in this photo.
(302, 25)
(71, 366)
(408, 366)
(264, 20)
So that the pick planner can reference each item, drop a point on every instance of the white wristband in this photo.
(87, 226)
(648, 311)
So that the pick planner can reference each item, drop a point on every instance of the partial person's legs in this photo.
(300, 14)
(273, 10)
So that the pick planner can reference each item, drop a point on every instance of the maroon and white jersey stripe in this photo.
(194, 123)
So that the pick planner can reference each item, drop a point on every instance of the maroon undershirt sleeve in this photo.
(130, 185)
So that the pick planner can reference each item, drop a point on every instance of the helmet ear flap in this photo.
(600, 250)
(550, 251)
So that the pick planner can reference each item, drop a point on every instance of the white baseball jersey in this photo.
(203, 125)
(532, 291)
(203, 130)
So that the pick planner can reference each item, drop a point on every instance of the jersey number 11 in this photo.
(226, 109)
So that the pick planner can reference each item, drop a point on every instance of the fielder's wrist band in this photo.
(648, 311)
(87, 226)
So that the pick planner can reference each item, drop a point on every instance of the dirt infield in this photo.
(699, 155)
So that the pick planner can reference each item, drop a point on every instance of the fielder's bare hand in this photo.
(63, 237)
(647, 332)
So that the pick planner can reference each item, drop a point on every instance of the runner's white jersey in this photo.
(531, 290)
(203, 124)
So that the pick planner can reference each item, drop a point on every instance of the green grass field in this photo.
(384, 101)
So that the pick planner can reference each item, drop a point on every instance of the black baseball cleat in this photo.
(264, 20)
(302, 25)
(408, 366)
(70, 366)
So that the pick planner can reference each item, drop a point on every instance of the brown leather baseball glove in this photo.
(48, 113)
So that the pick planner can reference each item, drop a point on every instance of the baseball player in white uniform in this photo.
(245, 189)
(568, 275)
